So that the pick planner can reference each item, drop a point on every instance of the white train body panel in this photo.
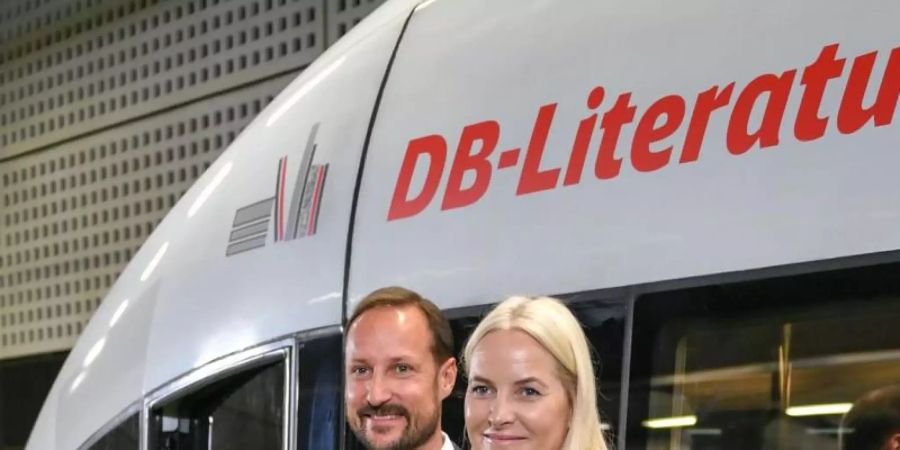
(786, 203)
(528, 227)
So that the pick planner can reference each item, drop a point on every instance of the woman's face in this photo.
(515, 399)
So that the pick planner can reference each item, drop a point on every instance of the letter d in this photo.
(436, 148)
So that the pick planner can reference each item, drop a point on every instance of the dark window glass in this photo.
(319, 409)
(769, 364)
(243, 411)
(604, 324)
(123, 437)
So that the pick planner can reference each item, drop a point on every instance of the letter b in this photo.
(488, 133)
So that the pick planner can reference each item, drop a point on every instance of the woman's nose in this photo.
(502, 413)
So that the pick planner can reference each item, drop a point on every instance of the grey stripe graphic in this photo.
(307, 201)
(243, 246)
(300, 185)
(254, 212)
(250, 230)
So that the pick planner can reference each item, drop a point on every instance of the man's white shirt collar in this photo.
(448, 444)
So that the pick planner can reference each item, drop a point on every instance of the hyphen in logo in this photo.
(250, 228)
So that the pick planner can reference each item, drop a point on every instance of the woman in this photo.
(531, 380)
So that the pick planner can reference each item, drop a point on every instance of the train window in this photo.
(762, 365)
(604, 325)
(319, 407)
(244, 410)
(123, 437)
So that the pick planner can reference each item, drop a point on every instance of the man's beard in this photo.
(413, 435)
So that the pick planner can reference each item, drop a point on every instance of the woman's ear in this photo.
(447, 377)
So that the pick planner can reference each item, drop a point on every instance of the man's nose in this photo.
(502, 412)
(379, 390)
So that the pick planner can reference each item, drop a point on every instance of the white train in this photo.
(712, 185)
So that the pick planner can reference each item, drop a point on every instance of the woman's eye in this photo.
(530, 392)
(359, 371)
(480, 390)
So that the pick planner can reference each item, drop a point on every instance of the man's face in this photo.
(394, 386)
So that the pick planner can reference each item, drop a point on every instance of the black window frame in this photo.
(218, 371)
(133, 412)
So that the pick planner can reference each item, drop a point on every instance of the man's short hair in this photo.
(441, 334)
(873, 419)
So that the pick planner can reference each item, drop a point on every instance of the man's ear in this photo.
(447, 377)
(893, 442)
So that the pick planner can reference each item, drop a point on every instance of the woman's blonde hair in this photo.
(550, 322)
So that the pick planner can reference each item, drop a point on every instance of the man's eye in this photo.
(402, 368)
(359, 371)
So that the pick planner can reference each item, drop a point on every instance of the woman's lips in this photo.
(503, 438)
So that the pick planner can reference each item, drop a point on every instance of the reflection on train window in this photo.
(764, 365)
(242, 411)
(604, 324)
(124, 436)
(319, 409)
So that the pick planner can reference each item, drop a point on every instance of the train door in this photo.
(458, 199)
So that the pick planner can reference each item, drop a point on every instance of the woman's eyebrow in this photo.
(531, 380)
(480, 379)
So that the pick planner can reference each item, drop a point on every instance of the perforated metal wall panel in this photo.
(344, 14)
(109, 110)
(109, 63)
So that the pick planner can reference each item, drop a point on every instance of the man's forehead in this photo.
(403, 327)
(407, 317)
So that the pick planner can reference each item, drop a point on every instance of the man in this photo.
(399, 368)
(874, 421)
